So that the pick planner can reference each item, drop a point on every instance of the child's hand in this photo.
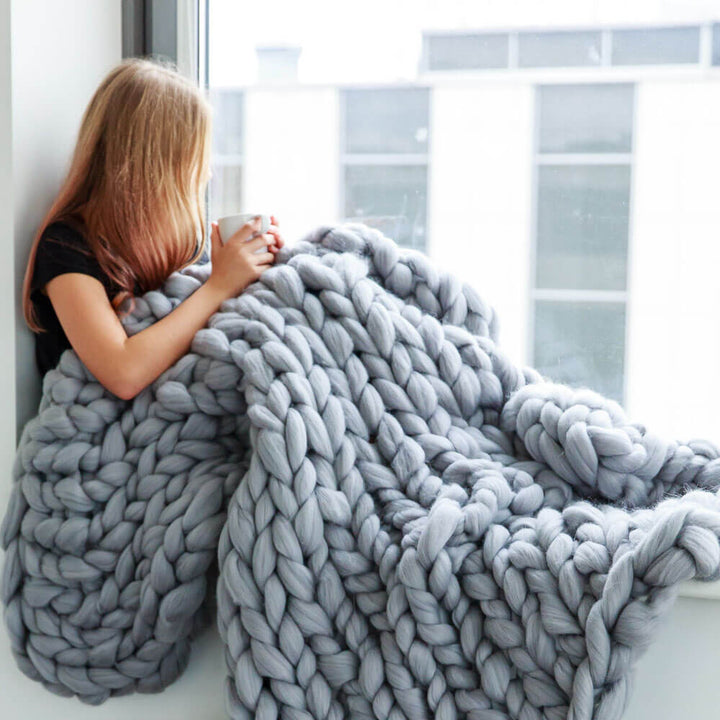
(279, 242)
(236, 264)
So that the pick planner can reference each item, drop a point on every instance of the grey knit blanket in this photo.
(384, 514)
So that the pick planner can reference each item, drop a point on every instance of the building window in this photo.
(226, 185)
(547, 48)
(583, 168)
(656, 46)
(716, 44)
(384, 161)
(465, 51)
(558, 49)
(582, 344)
(567, 126)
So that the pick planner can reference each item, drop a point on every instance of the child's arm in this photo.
(126, 365)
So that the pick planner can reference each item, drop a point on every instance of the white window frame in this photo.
(378, 159)
(574, 295)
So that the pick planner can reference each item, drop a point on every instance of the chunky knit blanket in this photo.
(398, 521)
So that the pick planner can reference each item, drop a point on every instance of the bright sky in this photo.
(380, 40)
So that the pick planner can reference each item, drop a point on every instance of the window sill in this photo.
(698, 589)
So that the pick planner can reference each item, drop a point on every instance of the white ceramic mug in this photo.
(230, 224)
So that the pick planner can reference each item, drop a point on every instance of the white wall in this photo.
(480, 196)
(60, 51)
(7, 269)
(292, 158)
(674, 293)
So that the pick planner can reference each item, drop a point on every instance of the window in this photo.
(716, 44)
(582, 224)
(586, 118)
(385, 161)
(547, 48)
(386, 121)
(559, 49)
(465, 51)
(581, 343)
(656, 46)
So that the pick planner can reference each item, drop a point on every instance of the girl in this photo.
(126, 217)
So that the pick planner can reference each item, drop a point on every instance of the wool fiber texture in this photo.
(384, 515)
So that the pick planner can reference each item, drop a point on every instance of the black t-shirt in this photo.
(61, 249)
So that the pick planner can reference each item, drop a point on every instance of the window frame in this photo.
(540, 159)
(706, 42)
(346, 159)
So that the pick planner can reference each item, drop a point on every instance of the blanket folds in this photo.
(385, 516)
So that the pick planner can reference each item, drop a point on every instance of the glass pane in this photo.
(656, 46)
(225, 190)
(228, 108)
(586, 118)
(582, 226)
(386, 120)
(716, 45)
(389, 198)
(558, 49)
(462, 51)
(581, 344)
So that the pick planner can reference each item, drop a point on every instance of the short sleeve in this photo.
(61, 252)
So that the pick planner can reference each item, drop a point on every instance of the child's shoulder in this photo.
(66, 235)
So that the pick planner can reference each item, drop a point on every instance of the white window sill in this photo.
(698, 589)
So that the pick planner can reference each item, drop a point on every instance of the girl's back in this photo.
(62, 248)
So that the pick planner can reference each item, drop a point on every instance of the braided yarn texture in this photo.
(384, 515)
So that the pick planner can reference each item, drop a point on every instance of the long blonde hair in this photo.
(137, 179)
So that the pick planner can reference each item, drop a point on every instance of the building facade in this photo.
(570, 176)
